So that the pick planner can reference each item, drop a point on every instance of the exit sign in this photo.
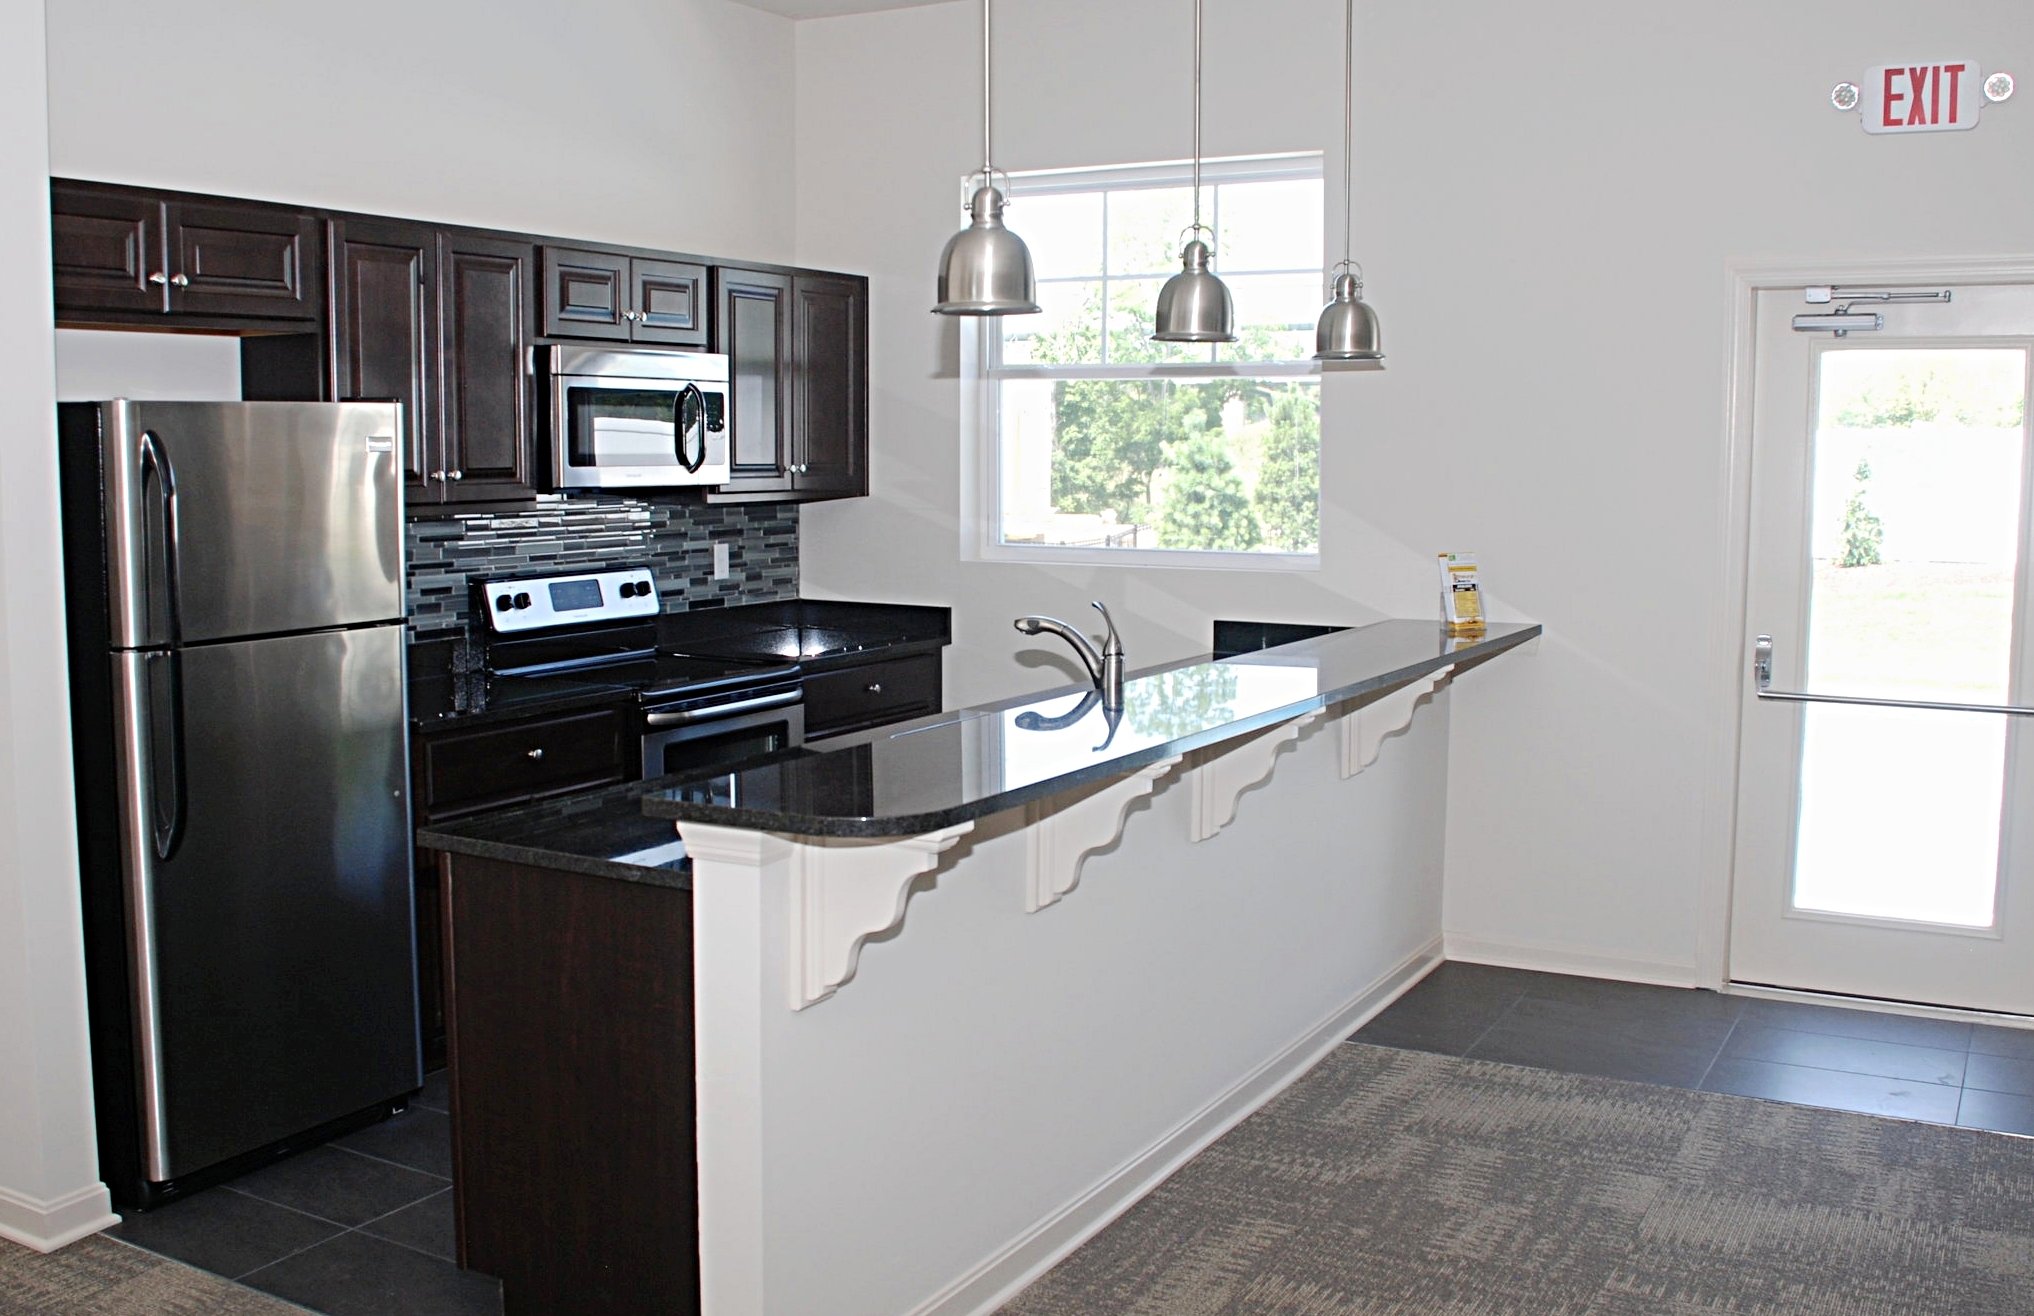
(1922, 98)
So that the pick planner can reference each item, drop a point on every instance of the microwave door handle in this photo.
(688, 418)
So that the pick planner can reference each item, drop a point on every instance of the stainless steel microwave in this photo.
(635, 418)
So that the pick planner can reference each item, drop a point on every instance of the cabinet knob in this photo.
(632, 315)
(181, 280)
(874, 687)
(438, 475)
(798, 468)
(158, 277)
(536, 753)
(455, 475)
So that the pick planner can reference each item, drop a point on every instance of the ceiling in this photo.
(832, 8)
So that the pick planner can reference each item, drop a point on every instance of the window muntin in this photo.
(1101, 439)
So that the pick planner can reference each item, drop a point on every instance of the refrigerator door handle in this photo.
(155, 459)
(169, 803)
(141, 843)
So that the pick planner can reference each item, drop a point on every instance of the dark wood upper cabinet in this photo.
(753, 330)
(669, 299)
(384, 279)
(108, 252)
(829, 387)
(445, 320)
(607, 295)
(243, 261)
(483, 325)
(586, 294)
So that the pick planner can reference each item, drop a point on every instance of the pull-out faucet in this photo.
(1104, 666)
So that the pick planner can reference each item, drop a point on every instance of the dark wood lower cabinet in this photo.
(574, 1131)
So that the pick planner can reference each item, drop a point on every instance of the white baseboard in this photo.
(47, 1226)
(1561, 959)
(993, 1282)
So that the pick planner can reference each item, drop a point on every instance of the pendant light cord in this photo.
(1348, 131)
(1197, 116)
(988, 177)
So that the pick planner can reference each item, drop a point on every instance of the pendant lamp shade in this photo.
(1347, 333)
(1348, 329)
(986, 269)
(1194, 306)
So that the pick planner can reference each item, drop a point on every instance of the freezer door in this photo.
(269, 869)
(228, 520)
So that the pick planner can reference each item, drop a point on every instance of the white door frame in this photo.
(1746, 279)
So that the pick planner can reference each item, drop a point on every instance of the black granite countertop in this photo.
(820, 634)
(947, 768)
(603, 833)
(817, 634)
(950, 768)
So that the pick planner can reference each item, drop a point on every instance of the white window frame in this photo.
(982, 374)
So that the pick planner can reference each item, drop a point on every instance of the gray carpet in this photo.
(100, 1276)
(1396, 1182)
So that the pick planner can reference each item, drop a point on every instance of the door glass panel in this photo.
(1914, 536)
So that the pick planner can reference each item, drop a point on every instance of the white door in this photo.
(1888, 851)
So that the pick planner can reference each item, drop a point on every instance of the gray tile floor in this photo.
(359, 1227)
(1937, 1070)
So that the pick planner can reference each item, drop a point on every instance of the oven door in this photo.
(617, 432)
(695, 740)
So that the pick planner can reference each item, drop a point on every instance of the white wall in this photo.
(92, 364)
(661, 122)
(49, 1172)
(1550, 196)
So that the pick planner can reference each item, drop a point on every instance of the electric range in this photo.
(599, 628)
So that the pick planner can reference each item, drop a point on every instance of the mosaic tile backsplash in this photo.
(675, 542)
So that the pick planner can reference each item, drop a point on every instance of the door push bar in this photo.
(1762, 669)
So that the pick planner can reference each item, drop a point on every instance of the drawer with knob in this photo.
(854, 698)
(464, 771)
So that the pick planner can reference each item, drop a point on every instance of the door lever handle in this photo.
(1762, 677)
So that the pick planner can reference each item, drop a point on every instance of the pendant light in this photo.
(1348, 332)
(1194, 305)
(986, 269)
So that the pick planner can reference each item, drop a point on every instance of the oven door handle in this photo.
(685, 717)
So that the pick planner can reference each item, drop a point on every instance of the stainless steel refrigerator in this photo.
(234, 576)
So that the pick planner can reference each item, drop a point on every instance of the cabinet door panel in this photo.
(670, 302)
(585, 294)
(483, 317)
(382, 341)
(754, 331)
(105, 248)
(829, 404)
(248, 261)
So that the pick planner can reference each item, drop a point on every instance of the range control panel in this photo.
(535, 603)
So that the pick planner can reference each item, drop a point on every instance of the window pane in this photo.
(1275, 316)
(1226, 464)
(1066, 331)
(1144, 229)
(1270, 226)
(1063, 232)
(1914, 534)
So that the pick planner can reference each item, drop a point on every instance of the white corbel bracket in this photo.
(842, 890)
(1364, 729)
(1060, 837)
(1218, 776)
